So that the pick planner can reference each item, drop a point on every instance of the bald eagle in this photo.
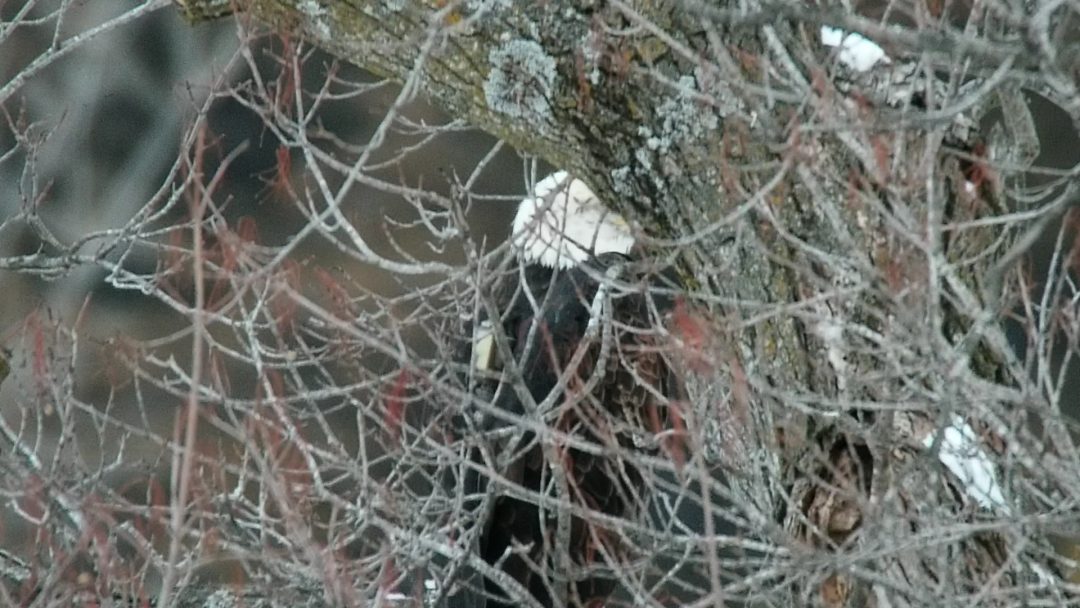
(579, 385)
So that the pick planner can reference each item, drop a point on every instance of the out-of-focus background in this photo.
(102, 129)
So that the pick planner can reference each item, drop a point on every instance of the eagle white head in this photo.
(563, 224)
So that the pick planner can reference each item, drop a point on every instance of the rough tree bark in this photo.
(807, 203)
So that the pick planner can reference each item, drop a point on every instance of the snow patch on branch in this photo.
(831, 333)
(856, 51)
(959, 451)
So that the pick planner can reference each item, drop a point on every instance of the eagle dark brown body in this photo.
(598, 385)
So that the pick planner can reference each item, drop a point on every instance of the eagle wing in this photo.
(596, 350)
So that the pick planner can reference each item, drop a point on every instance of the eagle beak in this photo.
(620, 221)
